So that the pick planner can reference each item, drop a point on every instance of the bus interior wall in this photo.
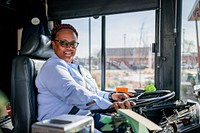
(11, 21)
(9, 44)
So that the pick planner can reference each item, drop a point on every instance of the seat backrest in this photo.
(23, 91)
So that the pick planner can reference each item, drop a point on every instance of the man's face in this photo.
(64, 44)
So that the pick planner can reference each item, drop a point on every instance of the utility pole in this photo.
(124, 47)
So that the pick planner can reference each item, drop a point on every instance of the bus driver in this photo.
(62, 86)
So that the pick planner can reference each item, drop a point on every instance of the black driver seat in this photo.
(23, 91)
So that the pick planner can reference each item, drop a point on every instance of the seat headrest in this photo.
(37, 46)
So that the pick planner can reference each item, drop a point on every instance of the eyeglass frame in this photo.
(65, 43)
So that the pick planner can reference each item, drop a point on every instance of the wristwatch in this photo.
(110, 97)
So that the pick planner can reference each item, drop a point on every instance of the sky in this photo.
(189, 26)
(127, 30)
(122, 30)
(118, 25)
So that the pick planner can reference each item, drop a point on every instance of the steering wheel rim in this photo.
(149, 98)
(141, 100)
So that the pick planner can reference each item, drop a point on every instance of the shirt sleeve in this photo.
(103, 94)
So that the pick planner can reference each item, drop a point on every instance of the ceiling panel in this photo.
(63, 9)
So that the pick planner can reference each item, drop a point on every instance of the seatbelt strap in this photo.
(74, 110)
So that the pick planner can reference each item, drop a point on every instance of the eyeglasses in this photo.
(65, 43)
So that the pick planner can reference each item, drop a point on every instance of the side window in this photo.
(129, 57)
(189, 50)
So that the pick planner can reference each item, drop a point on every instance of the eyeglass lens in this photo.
(65, 43)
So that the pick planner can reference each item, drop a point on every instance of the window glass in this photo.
(189, 52)
(129, 57)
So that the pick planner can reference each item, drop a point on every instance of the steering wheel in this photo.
(144, 99)
(149, 98)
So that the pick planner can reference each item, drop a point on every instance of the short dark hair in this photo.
(59, 27)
